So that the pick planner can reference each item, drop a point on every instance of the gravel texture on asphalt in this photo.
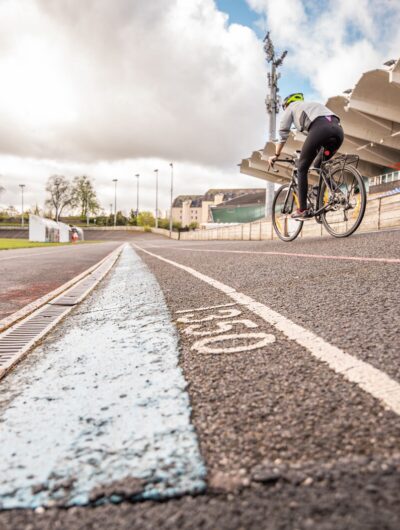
(288, 444)
(361, 496)
(28, 274)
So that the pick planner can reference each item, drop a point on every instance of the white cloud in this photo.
(112, 80)
(97, 86)
(332, 43)
(111, 89)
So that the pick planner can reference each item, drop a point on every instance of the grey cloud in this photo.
(165, 79)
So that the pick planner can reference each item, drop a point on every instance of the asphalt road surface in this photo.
(291, 358)
(28, 274)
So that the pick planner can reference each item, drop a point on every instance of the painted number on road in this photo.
(220, 327)
(260, 340)
(218, 340)
(222, 313)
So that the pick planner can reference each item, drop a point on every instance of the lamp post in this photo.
(115, 202)
(22, 186)
(156, 172)
(172, 191)
(272, 103)
(137, 193)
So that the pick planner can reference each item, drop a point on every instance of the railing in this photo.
(384, 178)
(381, 213)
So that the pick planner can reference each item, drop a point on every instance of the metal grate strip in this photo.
(16, 341)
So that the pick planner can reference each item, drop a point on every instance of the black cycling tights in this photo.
(324, 136)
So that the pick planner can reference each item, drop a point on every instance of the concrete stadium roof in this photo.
(370, 116)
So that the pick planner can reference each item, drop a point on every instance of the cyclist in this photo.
(324, 137)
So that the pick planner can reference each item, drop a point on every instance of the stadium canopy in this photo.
(370, 115)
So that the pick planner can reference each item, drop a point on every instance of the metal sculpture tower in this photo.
(272, 103)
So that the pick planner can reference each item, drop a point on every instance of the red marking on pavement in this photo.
(297, 255)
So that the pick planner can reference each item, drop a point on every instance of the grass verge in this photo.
(9, 244)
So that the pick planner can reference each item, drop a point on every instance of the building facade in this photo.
(190, 209)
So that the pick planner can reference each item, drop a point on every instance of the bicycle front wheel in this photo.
(284, 203)
(345, 205)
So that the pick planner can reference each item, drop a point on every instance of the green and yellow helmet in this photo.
(297, 96)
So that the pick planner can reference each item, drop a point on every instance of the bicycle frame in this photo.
(323, 177)
(340, 188)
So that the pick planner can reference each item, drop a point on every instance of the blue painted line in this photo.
(102, 400)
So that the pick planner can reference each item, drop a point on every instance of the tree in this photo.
(146, 219)
(85, 196)
(164, 223)
(121, 219)
(132, 219)
(61, 194)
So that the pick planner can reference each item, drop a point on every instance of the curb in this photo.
(20, 338)
(25, 311)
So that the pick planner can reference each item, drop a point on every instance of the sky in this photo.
(114, 89)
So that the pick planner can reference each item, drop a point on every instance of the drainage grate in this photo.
(17, 340)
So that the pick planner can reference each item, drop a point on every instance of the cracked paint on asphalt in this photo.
(100, 403)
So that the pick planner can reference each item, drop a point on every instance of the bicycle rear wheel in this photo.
(283, 205)
(346, 205)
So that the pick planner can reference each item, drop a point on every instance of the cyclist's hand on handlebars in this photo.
(271, 161)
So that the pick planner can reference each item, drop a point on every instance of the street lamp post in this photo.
(137, 193)
(272, 103)
(156, 172)
(172, 191)
(115, 202)
(22, 186)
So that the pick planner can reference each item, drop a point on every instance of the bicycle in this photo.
(338, 201)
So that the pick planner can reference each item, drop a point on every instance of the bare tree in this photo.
(61, 194)
(85, 196)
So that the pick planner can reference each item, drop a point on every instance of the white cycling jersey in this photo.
(301, 114)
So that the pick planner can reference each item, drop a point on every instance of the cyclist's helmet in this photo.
(297, 96)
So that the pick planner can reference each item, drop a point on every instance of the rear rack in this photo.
(341, 161)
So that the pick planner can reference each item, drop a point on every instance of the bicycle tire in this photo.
(360, 205)
(276, 222)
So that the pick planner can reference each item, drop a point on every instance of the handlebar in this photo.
(290, 160)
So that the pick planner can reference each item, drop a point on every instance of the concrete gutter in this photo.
(99, 412)
(18, 339)
(36, 304)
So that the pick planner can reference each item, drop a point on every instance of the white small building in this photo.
(43, 230)
(65, 233)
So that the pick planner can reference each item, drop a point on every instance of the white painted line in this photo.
(369, 378)
(294, 254)
(203, 308)
(104, 400)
